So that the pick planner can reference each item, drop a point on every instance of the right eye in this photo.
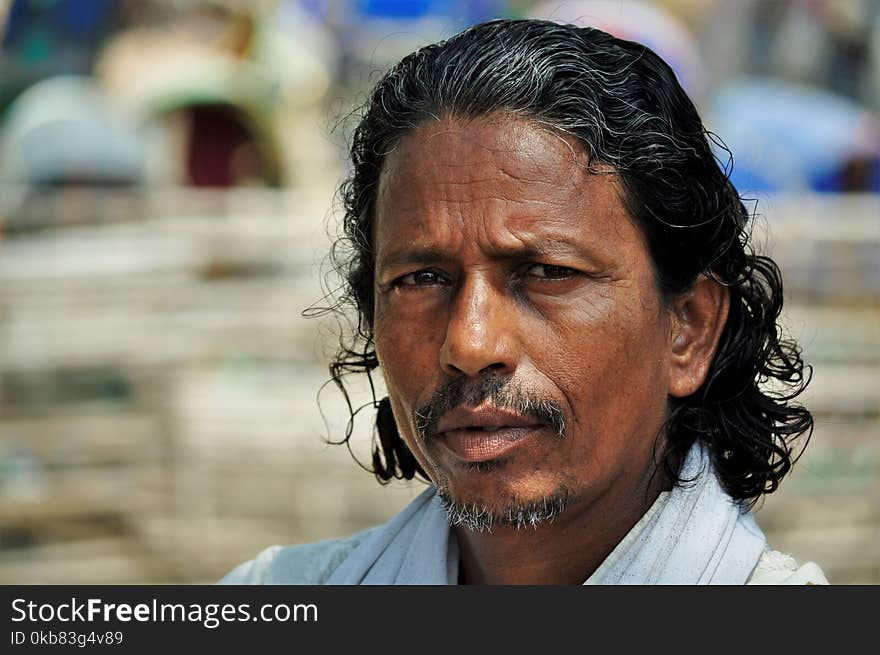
(424, 278)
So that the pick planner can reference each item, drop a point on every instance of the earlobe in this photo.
(699, 316)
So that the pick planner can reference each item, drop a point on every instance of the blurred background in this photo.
(167, 177)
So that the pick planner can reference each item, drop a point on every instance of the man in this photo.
(553, 274)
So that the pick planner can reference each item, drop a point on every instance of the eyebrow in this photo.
(412, 256)
(540, 248)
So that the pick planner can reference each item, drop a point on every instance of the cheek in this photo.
(407, 365)
(408, 349)
(608, 358)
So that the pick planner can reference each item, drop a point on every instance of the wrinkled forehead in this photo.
(505, 171)
(520, 147)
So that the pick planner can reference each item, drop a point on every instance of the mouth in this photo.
(477, 444)
(484, 434)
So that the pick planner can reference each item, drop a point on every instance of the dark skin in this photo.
(499, 251)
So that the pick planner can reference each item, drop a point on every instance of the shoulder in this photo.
(776, 568)
(307, 564)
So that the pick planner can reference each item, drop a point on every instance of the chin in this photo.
(504, 505)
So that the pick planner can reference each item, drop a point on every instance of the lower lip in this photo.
(482, 446)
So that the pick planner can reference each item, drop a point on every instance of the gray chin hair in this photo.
(519, 515)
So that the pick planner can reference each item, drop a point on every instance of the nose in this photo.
(479, 332)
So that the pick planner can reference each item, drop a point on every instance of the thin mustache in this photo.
(499, 391)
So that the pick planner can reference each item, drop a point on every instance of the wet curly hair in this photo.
(623, 104)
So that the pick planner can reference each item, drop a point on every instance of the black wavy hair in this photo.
(623, 104)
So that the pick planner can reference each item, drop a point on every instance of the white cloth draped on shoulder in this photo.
(693, 534)
(415, 547)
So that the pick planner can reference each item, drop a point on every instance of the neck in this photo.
(565, 551)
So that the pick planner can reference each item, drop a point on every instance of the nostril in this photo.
(497, 367)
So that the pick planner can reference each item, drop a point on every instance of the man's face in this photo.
(512, 291)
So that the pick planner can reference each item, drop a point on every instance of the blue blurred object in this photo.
(789, 137)
(47, 30)
(395, 8)
(43, 38)
(458, 12)
(65, 130)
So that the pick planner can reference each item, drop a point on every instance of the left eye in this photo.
(423, 278)
(550, 272)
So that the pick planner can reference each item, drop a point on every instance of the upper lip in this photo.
(483, 417)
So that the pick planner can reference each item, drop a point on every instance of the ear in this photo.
(698, 317)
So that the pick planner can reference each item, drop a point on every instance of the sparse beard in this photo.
(478, 517)
(500, 391)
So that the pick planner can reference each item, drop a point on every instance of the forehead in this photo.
(495, 180)
(463, 156)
